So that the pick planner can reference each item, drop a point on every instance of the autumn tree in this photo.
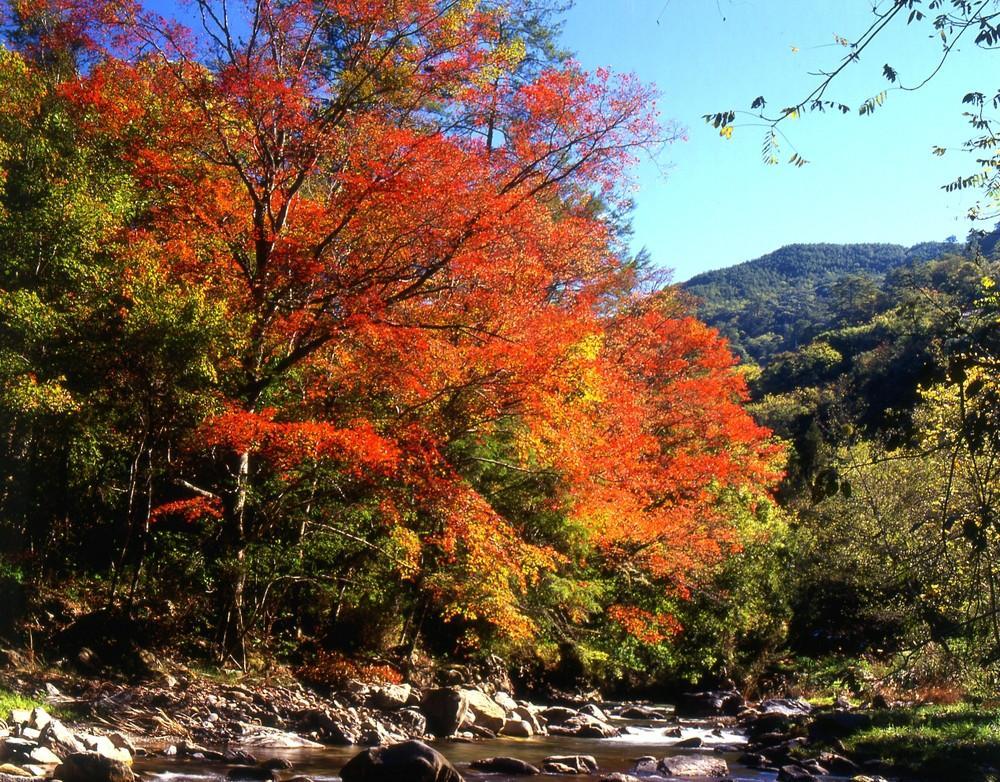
(428, 379)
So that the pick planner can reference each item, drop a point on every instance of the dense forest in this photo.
(323, 340)
(783, 299)
(321, 344)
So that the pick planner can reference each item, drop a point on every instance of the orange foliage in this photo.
(393, 287)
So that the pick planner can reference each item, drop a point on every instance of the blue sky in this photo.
(869, 179)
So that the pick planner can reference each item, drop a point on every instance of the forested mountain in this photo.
(783, 299)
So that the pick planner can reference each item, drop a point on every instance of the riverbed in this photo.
(640, 737)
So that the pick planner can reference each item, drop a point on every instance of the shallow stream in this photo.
(641, 737)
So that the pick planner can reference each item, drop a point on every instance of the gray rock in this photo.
(487, 713)
(44, 756)
(391, 697)
(642, 713)
(445, 709)
(594, 711)
(788, 707)
(409, 761)
(693, 766)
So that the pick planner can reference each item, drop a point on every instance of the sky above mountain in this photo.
(710, 202)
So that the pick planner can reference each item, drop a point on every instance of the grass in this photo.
(960, 742)
(11, 700)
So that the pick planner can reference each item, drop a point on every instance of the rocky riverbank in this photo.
(238, 725)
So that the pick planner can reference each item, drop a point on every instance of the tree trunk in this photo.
(233, 641)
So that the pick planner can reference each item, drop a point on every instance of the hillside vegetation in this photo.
(783, 299)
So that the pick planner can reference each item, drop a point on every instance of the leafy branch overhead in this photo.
(950, 22)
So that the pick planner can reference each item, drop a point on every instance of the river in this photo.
(641, 737)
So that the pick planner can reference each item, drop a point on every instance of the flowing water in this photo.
(641, 737)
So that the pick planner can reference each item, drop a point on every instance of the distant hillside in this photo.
(783, 299)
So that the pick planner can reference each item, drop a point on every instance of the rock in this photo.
(504, 701)
(581, 764)
(505, 765)
(487, 713)
(842, 703)
(60, 739)
(789, 707)
(838, 764)
(19, 717)
(238, 757)
(16, 771)
(277, 764)
(409, 761)
(585, 727)
(674, 732)
(594, 711)
(92, 767)
(518, 729)
(692, 743)
(445, 709)
(642, 713)
(535, 720)
(272, 738)
(44, 756)
(391, 697)
(102, 745)
(251, 774)
(51, 690)
(39, 718)
(558, 768)
(693, 766)
(559, 714)
(794, 774)
(619, 777)
(709, 704)
(16, 778)
(411, 722)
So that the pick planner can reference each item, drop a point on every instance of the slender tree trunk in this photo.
(233, 642)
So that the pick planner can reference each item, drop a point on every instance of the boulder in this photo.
(559, 714)
(518, 729)
(505, 765)
(594, 711)
(618, 776)
(642, 713)
(39, 718)
(792, 773)
(4, 777)
(277, 764)
(272, 738)
(391, 697)
(60, 739)
(16, 771)
(486, 712)
(409, 761)
(717, 703)
(581, 764)
(103, 745)
(535, 720)
(445, 709)
(692, 743)
(789, 707)
(505, 701)
(93, 767)
(584, 726)
(693, 766)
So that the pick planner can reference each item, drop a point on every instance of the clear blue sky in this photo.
(870, 178)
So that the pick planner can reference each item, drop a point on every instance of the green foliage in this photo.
(784, 299)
